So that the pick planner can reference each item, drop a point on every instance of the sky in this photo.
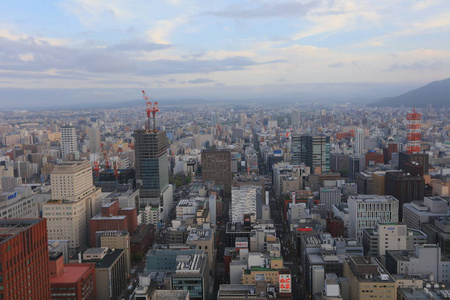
(83, 51)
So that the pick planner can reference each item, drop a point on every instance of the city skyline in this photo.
(96, 51)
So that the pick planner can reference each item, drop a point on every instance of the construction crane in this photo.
(151, 110)
(96, 169)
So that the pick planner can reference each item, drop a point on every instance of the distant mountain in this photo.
(436, 93)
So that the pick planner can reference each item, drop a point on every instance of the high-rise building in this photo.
(244, 200)
(404, 187)
(68, 140)
(355, 165)
(312, 150)
(216, 166)
(75, 200)
(367, 210)
(359, 141)
(24, 259)
(295, 119)
(151, 163)
(214, 118)
(94, 139)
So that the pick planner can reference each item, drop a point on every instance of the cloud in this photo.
(137, 45)
(422, 5)
(161, 32)
(201, 80)
(284, 9)
(337, 65)
(417, 65)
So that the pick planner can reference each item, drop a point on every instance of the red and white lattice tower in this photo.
(414, 132)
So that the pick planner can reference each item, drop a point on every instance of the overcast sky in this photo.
(108, 50)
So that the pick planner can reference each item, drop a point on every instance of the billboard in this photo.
(241, 244)
(285, 283)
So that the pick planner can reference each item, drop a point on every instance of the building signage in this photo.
(12, 196)
(241, 244)
(285, 283)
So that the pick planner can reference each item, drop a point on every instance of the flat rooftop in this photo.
(71, 273)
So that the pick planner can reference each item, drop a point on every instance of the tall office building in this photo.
(214, 119)
(245, 199)
(312, 150)
(75, 200)
(359, 141)
(151, 164)
(216, 166)
(355, 165)
(152, 170)
(367, 210)
(24, 272)
(94, 139)
(404, 187)
(295, 119)
(68, 140)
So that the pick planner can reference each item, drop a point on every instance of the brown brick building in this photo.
(216, 166)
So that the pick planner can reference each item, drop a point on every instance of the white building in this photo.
(75, 200)
(243, 201)
(367, 210)
(68, 140)
(359, 141)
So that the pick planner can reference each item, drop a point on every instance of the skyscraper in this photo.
(295, 119)
(24, 272)
(359, 141)
(404, 187)
(151, 164)
(94, 139)
(214, 118)
(313, 151)
(68, 140)
(216, 166)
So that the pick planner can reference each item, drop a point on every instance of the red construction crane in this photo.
(151, 110)
(96, 169)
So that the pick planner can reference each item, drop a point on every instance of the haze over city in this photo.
(80, 51)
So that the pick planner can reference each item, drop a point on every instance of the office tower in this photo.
(68, 140)
(359, 141)
(295, 119)
(152, 170)
(296, 146)
(404, 187)
(192, 273)
(244, 201)
(367, 278)
(214, 119)
(406, 160)
(313, 151)
(75, 200)
(367, 210)
(94, 139)
(242, 119)
(216, 166)
(355, 165)
(24, 259)
(329, 197)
